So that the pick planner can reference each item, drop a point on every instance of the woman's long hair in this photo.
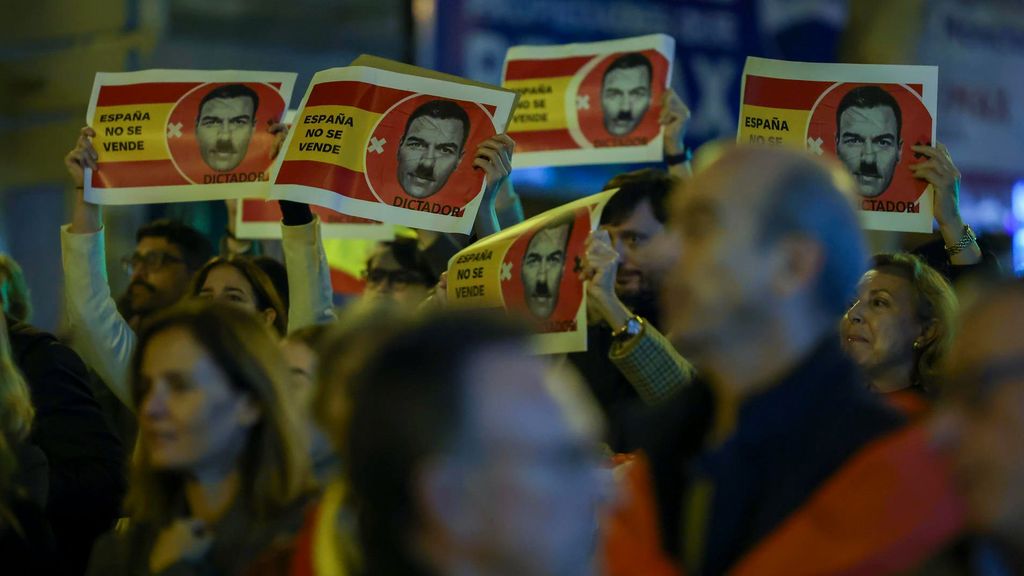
(16, 415)
(274, 466)
(935, 304)
(262, 286)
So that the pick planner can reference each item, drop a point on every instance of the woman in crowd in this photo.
(26, 543)
(240, 281)
(302, 350)
(900, 328)
(220, 472)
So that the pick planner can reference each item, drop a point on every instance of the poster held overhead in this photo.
(532, 270)
(184, 135)
(868, 116)
(392, 147)
(593, 103)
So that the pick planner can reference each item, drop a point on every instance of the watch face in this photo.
(633, 327)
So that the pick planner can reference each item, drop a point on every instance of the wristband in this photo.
(685, 156)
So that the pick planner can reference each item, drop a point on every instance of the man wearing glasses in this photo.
(224, 125)
(398, 273)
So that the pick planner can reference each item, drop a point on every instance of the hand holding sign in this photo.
(939, 171)
(674, 116)
(82, 156)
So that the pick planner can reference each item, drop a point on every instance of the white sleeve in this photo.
(100, 335)
(309, 277)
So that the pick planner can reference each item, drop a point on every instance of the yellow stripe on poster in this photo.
(332, 135)
(132, 133)
(541, 104)
(760, 125)
(475, 277)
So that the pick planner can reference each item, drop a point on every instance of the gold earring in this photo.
(917, 345)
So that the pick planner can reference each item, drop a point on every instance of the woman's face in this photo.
(879, 330)
(302, 361)
(190, 418)
(227, 283)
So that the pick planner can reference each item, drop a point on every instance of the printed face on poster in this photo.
(589, 103)
(866, 116)
(392, 147)
(532, 270)
(172, 136)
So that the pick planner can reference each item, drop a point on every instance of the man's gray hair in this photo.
(813, 201)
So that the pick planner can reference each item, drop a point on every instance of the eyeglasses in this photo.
(151, 261)
(398, 278)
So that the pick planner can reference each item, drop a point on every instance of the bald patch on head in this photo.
(754, 173)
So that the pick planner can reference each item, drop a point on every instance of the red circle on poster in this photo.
(234, 149)
(865, 149)
(430, 167)
(569, 292)
(640, 121)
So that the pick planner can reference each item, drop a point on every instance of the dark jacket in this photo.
(26, 541)
(614, 394)
(788, 440)
(240, 541)
(86, 460)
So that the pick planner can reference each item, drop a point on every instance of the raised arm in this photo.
(938, 169)
(99, 333)
(494, 157)
(674, 116)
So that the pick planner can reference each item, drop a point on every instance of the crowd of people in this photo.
(759, 396)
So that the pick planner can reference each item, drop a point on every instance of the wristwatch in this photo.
(967, 238)
(632, 328)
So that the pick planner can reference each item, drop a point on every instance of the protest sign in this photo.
(261, 219)
(390, 146)
(594, 103)
(867, 115)
(181, 135)
(532, 270)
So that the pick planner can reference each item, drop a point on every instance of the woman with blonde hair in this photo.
(26, 543)
(900, 328)
(220, 472)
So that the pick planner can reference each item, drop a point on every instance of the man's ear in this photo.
(798, 261)
(443, 499)
(899, 150)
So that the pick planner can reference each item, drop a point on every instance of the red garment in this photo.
(887, 510)
(631, 543)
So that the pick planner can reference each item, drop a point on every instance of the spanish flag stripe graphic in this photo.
(530, 69)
